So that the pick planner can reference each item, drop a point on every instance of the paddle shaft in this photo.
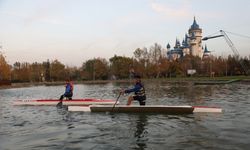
(116, 101)
(59, 103)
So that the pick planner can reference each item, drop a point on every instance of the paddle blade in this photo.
(59, 105)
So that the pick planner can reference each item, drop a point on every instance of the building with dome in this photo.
(191, 44)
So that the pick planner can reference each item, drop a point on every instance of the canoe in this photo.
(206, 109)
(74, 102)
(147, 109)
(144, 109)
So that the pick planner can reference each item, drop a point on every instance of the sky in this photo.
(73, 31)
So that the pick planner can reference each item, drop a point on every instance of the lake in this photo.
(51, 128)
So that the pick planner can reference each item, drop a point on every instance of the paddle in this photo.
(60, 104)
(116, 101)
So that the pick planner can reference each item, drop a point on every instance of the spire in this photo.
(195, 25)
(186, 37)
(185, 40)
(177, 43)
(168, 46)
(206, 50)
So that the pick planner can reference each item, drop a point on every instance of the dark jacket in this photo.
(138, 89)
(68, 89)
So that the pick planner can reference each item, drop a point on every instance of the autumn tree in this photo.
(101, 68)
(96, 68)
(15, 72)
(232, 63)
(246, 62)
(120, 66)
(47, 72)
(185, 64)
(21, 72)
(4, 68)
(219, 66)
(155, 55)
(141, 61)
(164, 65)
(73, 72)
(58, 71)
(37, 72)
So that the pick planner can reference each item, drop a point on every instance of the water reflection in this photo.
(141, 132)
(62, 110)
(179, 94)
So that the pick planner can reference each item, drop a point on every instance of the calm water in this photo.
(46, 127)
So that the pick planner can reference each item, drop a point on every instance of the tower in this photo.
(195, 36)
(185, 45)
(206, 52)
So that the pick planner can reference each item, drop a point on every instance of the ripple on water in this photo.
(51, 128)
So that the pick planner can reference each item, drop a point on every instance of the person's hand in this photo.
(122, 92)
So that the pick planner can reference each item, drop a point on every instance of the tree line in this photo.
(149, 62)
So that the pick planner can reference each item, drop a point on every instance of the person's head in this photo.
(137, 78)
(67, 80)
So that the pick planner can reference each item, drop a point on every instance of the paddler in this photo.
(139, 92)
(68, 90)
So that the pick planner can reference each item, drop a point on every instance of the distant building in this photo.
(191, 44)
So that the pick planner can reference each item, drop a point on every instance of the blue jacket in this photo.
(138, 89)
(68, 89)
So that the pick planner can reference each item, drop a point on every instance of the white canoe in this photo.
(146, 109)
(206, 109)
(54, 102)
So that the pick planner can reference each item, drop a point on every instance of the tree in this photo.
(101, 68)
(164, 65)
(46, 67)
(21, 72)
(120, 66)
(57, 71)
(141, 61)
(37, 72)
(4, 68)
(232, 65)
(73, 72)
(155, 53)
(186, 64)
(219, 66)
(96, 69)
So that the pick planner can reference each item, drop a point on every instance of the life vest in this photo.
(141, 92)
(69, 88)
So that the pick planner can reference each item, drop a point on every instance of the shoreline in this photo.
(186, 80)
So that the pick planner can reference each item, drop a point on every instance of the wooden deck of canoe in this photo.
(147, 109)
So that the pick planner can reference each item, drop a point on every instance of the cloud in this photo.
(13, 14)
(45, 11)
(184, 9)
(43, 19)
(177, 13)
(29, 19)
